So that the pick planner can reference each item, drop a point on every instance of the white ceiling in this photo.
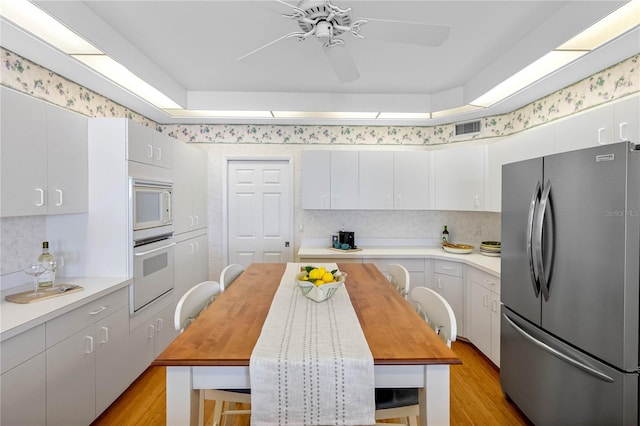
(189, 50)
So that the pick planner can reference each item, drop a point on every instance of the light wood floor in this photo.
(476, 397)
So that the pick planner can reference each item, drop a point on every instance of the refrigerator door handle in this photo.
(545, 204)
(586, 368)
(532, 264)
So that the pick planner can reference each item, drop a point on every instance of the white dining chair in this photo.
(400, 278)
(194, 301)
(229, 274)
(436, 311)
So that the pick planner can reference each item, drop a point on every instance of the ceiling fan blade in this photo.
(342, 63)
(264, 46)
(405, 32)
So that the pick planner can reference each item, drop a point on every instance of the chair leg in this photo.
(217, 412)
(200, 408)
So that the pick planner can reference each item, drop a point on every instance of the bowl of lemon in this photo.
(318, 284)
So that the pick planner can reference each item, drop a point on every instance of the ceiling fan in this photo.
(326, 21)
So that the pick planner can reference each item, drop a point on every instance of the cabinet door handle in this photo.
(159, 324)
(150, 151)
(197, 244)
(88, 344)
(197, 219)
(152, 331)
(440, 283)
(621, 128)
(41, 193)
(97, 311)
(193, 249)
(600, 130)
(59, 203)
(494, 306)
(476, 201)
(192, 220)
(105, 334)
(159, 156)
(399, 197)
(485, 300)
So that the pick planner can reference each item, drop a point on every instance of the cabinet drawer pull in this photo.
(489, 282)
(97, 311)
(105, 333)
(59, 203)
(88, 340)
(41, 193)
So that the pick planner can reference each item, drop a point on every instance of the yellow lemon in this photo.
(327, 277)
(315, 274)
(319, 282)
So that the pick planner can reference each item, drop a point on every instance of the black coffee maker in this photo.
(346, 237)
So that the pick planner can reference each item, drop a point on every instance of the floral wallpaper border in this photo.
(612, 83)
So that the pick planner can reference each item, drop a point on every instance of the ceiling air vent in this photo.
(468, 128)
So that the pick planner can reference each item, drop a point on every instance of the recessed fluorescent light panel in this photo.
(317, 114)
(404, 116)
(125, 78)
(217, 114)
(45, 27)
(452, 111)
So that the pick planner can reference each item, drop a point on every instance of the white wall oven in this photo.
(152, 225)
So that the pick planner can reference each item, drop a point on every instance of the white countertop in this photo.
(488, 264)
(16, 318)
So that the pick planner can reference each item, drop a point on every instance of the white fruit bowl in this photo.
(322, 292)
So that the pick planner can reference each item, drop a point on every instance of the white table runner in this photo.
(311, 364)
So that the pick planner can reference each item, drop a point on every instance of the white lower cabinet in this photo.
(22, 379)
(484, 313)
(448, 282)
(151, 336)
(190, 258)
(85, 366)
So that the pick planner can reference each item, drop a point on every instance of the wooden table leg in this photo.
(435, 396)
(182, 399)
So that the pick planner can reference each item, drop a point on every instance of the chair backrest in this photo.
(400, 278)
(193, 302)
(229, 274)
(437, 312)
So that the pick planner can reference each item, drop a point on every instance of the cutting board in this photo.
(43, 293)
(344, 251)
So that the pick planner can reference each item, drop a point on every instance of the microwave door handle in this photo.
(530, 253)
(169, 213)
(144, 253)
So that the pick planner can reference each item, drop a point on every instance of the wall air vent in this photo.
(468, 128)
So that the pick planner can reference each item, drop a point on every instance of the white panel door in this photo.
(259, 211)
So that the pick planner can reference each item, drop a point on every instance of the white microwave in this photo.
(151, 204)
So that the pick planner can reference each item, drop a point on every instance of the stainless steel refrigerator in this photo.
(570, 327)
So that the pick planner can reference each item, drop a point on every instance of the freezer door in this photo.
(521, 190)
(593, 290)
(554, 384)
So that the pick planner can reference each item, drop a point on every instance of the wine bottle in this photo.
(445, 234)
(46, 279)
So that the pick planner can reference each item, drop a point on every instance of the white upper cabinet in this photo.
(458, 177)
(148, 146)
(411, 180)
(626, 115)
(43, 156)
(375, 180)
(329, 180)
(344, 180)
(316, 180)
(189, 187)
(587, 129)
